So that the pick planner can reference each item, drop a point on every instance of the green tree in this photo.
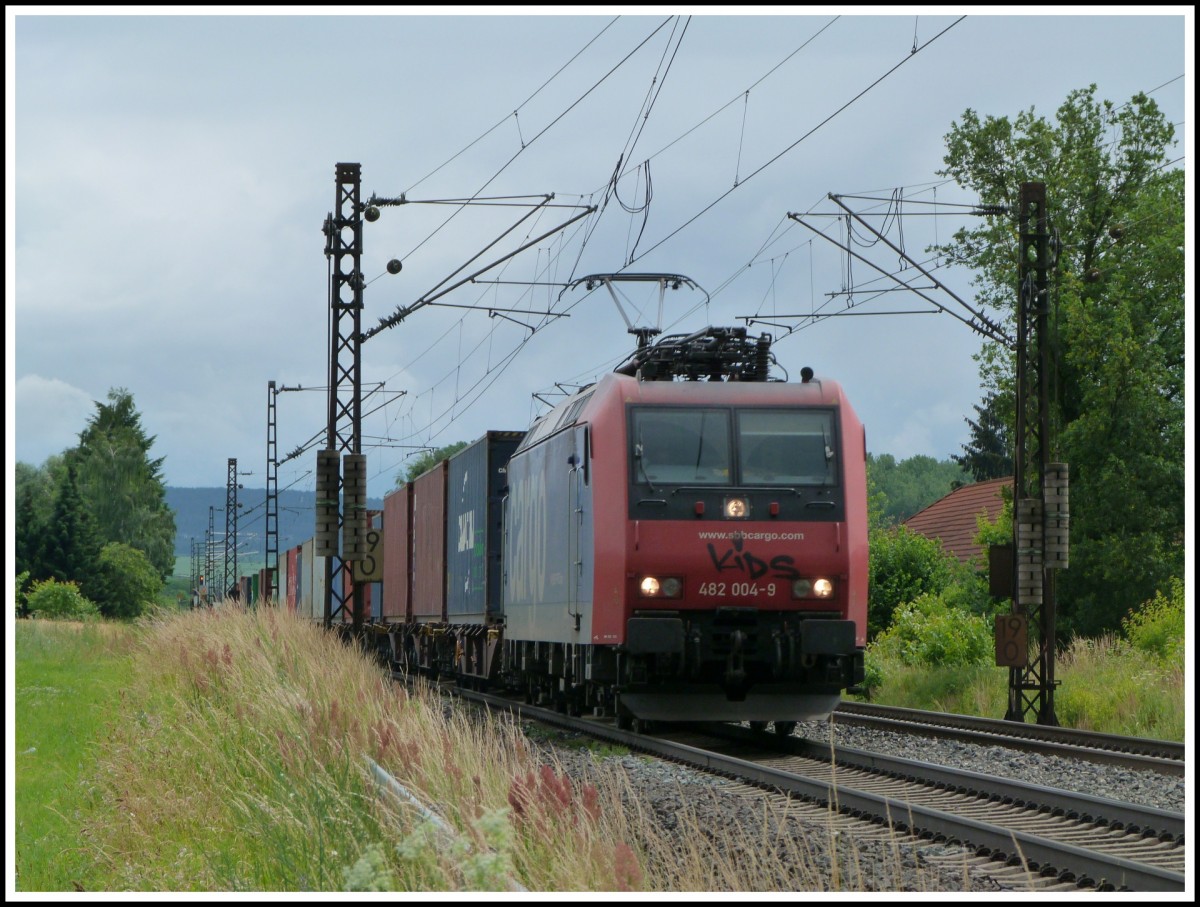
(128, 582)
(988, 455)
(912, 485)
(35, 491)
(1117, 296)
(68, 544)
(428, 460)
(22, 596)
(122, 485)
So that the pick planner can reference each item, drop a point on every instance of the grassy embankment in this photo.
(237, 761)
(69, 678)
(1105, 686)
(228, 752)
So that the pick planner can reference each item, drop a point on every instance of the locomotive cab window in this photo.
(680, 446)
(787, 447)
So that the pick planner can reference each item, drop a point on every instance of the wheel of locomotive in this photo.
(758, 726)
(785, 728)
(624, 719)
(641, 726)
(575, 704)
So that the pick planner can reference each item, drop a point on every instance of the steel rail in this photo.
(1042, 855)
(1133, 752)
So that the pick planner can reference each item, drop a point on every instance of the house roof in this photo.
(952, 519)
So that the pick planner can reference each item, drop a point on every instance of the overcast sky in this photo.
(172, 175)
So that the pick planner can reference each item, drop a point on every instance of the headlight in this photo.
(660, 587)
(812, 588)
(736, 508)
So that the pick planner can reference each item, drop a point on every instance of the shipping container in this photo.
(281, 581)
(312, 571)
(375, 589)
(375, 593)
(429, 546)
(293, 579)
(476, 481)
(397, 554)
(320, 584)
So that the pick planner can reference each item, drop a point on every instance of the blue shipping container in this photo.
(474, 526)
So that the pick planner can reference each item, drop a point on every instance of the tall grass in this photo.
(231, 750)
(239, 762)
(1105, 685)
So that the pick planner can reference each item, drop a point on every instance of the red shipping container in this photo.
(397, 548)
(293, 557)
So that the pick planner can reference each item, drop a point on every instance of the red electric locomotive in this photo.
(687, 540)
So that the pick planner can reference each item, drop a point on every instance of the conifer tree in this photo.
(122, 485)
(988, 455)
(69, 544)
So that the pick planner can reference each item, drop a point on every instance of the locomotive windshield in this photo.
(786, 447)
(693, 447)
(681, 446)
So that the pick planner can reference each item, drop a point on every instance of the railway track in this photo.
(1026, 836)
(1129, 752)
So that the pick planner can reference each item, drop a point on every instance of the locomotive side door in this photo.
(575, 478)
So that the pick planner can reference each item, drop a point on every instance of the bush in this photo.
(22, 603)
(128, 581)
(1157, 627)
(903, 565)
(929, 631)
(872, 674)
(62, 601)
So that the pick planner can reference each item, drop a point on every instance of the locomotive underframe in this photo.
(718, 665)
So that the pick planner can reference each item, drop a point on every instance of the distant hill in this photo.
(297, 517)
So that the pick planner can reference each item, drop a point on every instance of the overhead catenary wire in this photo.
(491, 336)
(759, 81)
(802, 138)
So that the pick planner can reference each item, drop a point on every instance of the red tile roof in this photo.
(952, 519)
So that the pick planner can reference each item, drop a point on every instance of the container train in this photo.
(683, 540)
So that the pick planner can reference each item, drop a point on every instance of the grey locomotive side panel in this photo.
(548, 543)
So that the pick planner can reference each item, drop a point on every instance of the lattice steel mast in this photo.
(1039, 486)
(343, 247)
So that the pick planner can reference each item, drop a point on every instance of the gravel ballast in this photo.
(869, 859)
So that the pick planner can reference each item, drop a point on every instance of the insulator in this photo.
(763, 357)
